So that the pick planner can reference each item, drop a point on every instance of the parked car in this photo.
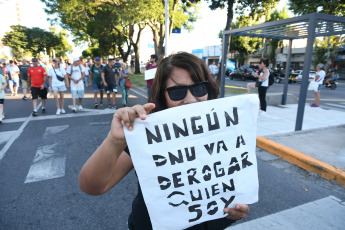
(298, 78)
(243, 73)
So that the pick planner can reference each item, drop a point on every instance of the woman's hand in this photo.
(240, 211)
(127, 115)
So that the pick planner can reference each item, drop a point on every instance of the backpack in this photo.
(270, 79)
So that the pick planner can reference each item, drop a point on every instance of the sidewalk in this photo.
(319, 147)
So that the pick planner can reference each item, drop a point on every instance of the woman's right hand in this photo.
(127, 115)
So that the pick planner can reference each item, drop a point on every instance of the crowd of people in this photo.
(40, 77)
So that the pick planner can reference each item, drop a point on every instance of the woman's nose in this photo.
(189, 98)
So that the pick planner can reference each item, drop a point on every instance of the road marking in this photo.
(15, 135)
(46, 165)
(234, 87)
(313, 99)
(335, 105)
(100, 123)
(5, 136)
(326, 213)
(139, 93)
(54, 130)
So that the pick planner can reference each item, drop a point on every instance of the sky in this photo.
(205, 32)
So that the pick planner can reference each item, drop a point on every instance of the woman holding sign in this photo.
(180, 79)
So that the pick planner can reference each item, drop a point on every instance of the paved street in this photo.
(40, 159)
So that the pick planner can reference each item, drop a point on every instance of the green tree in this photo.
(16, 39)
(33, 40)
(333, 7)
(275, 43)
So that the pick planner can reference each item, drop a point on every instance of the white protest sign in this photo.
(150, 74)
(194, 160)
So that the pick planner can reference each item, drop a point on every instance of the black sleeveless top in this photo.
(139, 218)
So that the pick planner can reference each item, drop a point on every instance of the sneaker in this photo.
(58, 112)
(314, 105)
(34, 113)
(110, 107)
(12, 94)
(15, 94)
(262, 113)
(63, 111)
(96, 105)
(24, 98)
(80, 107)
(43, 109)
(328, 85)
(114, 107)
(74, 110)
(0, 120)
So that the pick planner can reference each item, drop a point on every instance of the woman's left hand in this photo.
(240, 211)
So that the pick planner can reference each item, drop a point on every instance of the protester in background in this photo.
(37, 77)
(12, 72)
(58, 81)
(109, 81)
(96, 81)
(104, 62)
(263, 78)
(76, 73)
(87, 73)
(333, 75)
(3, 85)
(24, 76)
(152, 65)
(124, 74)
(213, 69)
(111, 162)
(319, 76)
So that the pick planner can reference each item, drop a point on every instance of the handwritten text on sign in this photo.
(194, 160)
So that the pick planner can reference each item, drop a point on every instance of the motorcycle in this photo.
(332, 84)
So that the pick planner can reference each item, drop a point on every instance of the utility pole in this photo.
(166, 27)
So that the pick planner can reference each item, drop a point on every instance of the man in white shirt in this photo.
(12, 71)
(319, 76)
(213, 69)
(76, 73)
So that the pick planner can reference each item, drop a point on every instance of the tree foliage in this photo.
(333, 7)
(34, 40)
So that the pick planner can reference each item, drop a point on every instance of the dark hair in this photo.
(192, 64)
(11, 61)
(154, 56)
(265, 61)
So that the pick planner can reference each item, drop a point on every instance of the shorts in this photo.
(13, 83)
(111, 88)
(97, 86)
(24, 84)
(38, 92)
(77, 94)
(59, 88)
(319, 88)
(2, 101)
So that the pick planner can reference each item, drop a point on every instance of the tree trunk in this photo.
(136, 46)
(229, 19)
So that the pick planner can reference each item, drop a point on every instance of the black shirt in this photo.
(109, 74)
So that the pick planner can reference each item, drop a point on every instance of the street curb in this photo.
(308, 163)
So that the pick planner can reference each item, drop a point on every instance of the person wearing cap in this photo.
(12, 71)
(96, 81)
(319, 76)
(23, 68)
(37, 77)
(109, 81)
(58, 81)
(76, 73)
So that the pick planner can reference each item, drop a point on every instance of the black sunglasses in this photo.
(199, 89)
